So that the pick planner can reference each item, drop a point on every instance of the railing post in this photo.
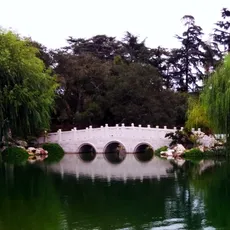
(106, 130)
(117, 132)
(87, 132)
(74, 133)
(123, 129)
(102, 132)
(90, 131)
(59, 136)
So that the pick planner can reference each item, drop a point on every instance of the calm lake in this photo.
(72, 194)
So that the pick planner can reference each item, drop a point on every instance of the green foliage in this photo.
(158, 151)
(95, 92)
(188, 60)
(14, 155)
(128, 97)
(193, 153)
(105, 80)
(221, 34)
(196, 153)
(25, 193)
(183, 137)
(26, 88)
(196, 115)
(82, 88)
(216, 98)
(55, 152)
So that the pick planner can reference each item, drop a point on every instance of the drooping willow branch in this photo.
(216, 98)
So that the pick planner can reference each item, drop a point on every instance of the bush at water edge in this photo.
(14, 155)
(55, 152)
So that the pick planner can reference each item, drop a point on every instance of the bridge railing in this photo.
(107, 132)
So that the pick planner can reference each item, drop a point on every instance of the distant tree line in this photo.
(105, 80)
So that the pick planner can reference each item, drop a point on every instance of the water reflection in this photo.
(87, 153)
(130, 168)
(28, 199)
(159, 194)
(115, 153)
(144, 153)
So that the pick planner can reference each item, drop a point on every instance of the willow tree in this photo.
(27, 90)
(196, 115)
(216, 98)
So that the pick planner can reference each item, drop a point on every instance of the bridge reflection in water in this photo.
(115, 152)
(101, 167)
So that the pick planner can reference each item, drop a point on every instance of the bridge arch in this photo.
(114, 152)
(87, 152)
(144, 152)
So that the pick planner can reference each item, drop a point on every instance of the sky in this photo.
(51, 22)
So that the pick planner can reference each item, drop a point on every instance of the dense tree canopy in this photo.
(106, 80)
(27, 90)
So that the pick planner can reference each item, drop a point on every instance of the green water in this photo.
(77, 195)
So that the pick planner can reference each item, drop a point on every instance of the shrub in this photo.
(183, 137)
(55, 152)
(194, 153)
(14, 155)
(158, 151)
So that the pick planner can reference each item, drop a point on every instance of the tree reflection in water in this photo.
(34, 197)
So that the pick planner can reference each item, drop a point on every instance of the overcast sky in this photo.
(50, 22)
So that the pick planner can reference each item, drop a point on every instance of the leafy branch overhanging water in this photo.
(216, 98)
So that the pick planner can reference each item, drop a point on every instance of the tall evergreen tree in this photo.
(133, 50)
(189, 55)
(100, 46)
(160, 59)
(221, 34)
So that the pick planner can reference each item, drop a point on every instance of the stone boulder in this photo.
(22, 143)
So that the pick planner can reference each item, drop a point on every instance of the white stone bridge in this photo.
(131, 138)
